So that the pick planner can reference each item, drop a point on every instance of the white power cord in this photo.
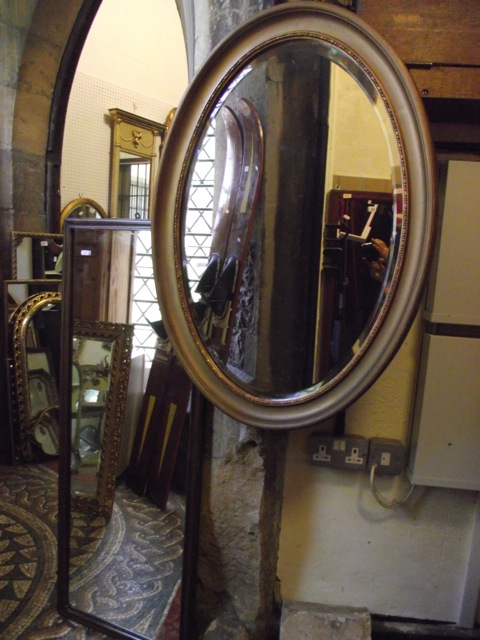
(388, 504)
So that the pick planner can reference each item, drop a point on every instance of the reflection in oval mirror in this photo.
(293, 171)
(278, 138)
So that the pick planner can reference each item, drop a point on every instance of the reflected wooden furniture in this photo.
(95, 253)
(160, 427)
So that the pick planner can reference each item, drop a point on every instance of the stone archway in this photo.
(50, 53)
(35, 37)
(52, 48)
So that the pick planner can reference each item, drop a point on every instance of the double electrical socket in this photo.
(356, 452)
(345, 452)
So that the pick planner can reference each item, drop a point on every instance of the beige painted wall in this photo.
(338, 546)
(357, 144)
(134, 59)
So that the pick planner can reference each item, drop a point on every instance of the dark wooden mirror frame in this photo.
(199, 416)
(19, 236)
(366, 49)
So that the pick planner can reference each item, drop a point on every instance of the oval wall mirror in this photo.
(295, 216)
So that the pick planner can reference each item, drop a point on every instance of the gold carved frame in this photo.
(138, 136)
(19, 324)
(120, 336)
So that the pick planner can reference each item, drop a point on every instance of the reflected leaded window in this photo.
(199, 219)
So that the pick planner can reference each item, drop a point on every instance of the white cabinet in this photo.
(445, 446)
(453, 294)
(445, 443)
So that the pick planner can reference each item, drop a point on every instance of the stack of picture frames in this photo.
(160, 426)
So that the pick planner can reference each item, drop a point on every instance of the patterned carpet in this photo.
(126, 569)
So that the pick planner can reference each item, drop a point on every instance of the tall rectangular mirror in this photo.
(122, 565)
(134, 160)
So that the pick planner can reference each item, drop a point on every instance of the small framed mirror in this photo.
(271, 299)
(33, 375)
(36, 255)
(100, 363)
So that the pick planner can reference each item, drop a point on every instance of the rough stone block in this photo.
(227, 627)
(32, 115)
(17, 13)
(28, 185)
(308, 621)
(7, 103)
(10, 53)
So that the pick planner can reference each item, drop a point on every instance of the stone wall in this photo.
(243, 467)
(15, 20)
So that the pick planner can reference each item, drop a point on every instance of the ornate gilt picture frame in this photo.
(105, 419)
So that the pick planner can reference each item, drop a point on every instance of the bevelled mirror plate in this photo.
(295, 216)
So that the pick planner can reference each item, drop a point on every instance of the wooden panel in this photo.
(448, 82)
(445, 31)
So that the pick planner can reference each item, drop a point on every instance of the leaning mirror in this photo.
(270, 296)
(101, 353)
(33, 373)
(35, 255)
(121, 568)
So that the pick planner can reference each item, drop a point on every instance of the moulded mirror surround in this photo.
(135, 141)
(102, 355)
(345, 40)
(83, 208)
(34, 254)
(31, 413)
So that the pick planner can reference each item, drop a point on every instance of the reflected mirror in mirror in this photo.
(112, 537)
(35, 255)
(43, 400)
(101, 354)
(133, 187)
(300, 172)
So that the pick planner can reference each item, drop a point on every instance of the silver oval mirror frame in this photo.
(360, 51)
